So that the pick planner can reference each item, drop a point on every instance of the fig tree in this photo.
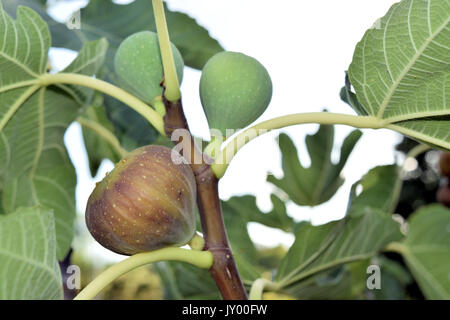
(146, 202)
(235, 90)
(139, 68)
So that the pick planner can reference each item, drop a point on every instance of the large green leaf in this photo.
(246, 208)
(28, 265)
(344, 282)
(36, 168)
(426, 250)
(237, 213)
(318, 183)
(401, 70)
(366, 229)
(319, 248)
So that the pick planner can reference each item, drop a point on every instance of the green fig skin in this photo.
(145, 203)
(138, 65)
(235, 90)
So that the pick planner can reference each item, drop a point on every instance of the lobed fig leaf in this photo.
(235, 90)
(139, 68)
(145, 203)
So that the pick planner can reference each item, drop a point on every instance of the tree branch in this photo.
(223, 270)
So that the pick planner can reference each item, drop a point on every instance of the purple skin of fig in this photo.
(444, 164)
(147, 202)
(443, 195)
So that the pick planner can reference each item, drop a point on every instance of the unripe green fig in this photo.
(145, 203)
(235, 90)
(139, 67)
(444, 164)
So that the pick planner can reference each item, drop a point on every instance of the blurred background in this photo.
(306, 46)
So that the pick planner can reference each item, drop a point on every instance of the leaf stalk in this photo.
(136, 104)
(201, 259)
(223, 159)
(171, 82)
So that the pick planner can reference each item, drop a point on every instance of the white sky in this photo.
(306, 46)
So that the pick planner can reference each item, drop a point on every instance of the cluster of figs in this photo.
(148, 201)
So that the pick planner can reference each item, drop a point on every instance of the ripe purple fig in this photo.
(147, 202)
(443, 195)
(444, 164)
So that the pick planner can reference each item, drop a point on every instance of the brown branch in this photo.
(223, 270)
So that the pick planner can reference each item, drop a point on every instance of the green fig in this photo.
(139, 68)
(145, 203)
(235, 90)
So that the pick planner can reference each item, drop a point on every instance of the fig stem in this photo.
(213, 147)
(103, 133)
(136, 104)
(201, 259)
(159, 106)
(197, 242)
(171, 83)
(417, 150)
(223, 159)
(258, 286)
(397, 247)
(224, 269)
